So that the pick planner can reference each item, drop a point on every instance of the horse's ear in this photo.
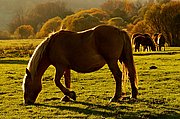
(28, 73)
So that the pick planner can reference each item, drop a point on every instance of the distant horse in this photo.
(137, 45)
(135, 35)
(161, 41)
(146, 41)
(84, 52)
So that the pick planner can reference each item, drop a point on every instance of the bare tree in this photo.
(18, 19)
(38, 15)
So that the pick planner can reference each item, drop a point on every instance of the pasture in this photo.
(159, 89)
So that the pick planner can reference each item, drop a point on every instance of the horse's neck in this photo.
(41, 68)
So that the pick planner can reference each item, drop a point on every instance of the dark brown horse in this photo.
(159, 40)
(146, 41)
(84, 52)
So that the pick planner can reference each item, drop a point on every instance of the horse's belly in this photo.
(87, 64)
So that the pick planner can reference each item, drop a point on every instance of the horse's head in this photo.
(30, 88)
(153, 46)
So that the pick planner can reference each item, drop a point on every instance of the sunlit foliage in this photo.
(24, 31)
(84, 19)
(117, 21)
(51, 25)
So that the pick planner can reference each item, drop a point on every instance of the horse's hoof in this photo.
(72, 95)
(126, 98)
(114, 99)
(134, 99)
(65, 99)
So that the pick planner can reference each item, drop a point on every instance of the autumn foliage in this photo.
(151, 17)
(84, 19)
(50, 26)
(24, 31)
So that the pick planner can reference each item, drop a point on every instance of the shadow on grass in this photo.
(114, 111)
(13, 61)
(91, 109)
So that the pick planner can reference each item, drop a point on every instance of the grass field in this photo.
(159, 89)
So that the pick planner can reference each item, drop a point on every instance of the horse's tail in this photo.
(128, 64)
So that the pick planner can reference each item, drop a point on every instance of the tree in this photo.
(163, 19)
(110, 5)
(169, 14)
(18, 20)
(51, 25)
(141, 27)
(121, 8)
(38, 15)
(162, 1)
(152, 17)
(24, 31)
(42, 12)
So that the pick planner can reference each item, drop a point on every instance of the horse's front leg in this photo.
(113, 66)
(67, 81)
(59, 74)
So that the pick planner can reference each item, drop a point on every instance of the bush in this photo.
(117, 21)
(100, 14)
(51, 25)
(24, 31)
(84, 19)
(80, 21)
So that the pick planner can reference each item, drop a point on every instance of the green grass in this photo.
(18, 48)
(159, 92)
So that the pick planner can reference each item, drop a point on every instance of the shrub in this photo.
(80, 21)
(51, 25)
(100, 14)
(24, 31)
(117, 21)
(84, 19)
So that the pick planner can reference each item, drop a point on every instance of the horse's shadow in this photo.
(108, 110)
(113, 110)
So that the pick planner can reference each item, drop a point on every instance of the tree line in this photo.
(151, 17)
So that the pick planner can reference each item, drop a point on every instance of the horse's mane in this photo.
(37, 56)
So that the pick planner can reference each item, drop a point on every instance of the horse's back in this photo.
(109, 41)
(76, 51)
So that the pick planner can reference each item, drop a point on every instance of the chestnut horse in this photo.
(84, 52)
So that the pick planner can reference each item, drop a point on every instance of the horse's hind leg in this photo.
(132, 77)
(113, 66)
(59, 74)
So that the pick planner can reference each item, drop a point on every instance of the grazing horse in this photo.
(145, 40)
(161, 41)
(83, 52)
